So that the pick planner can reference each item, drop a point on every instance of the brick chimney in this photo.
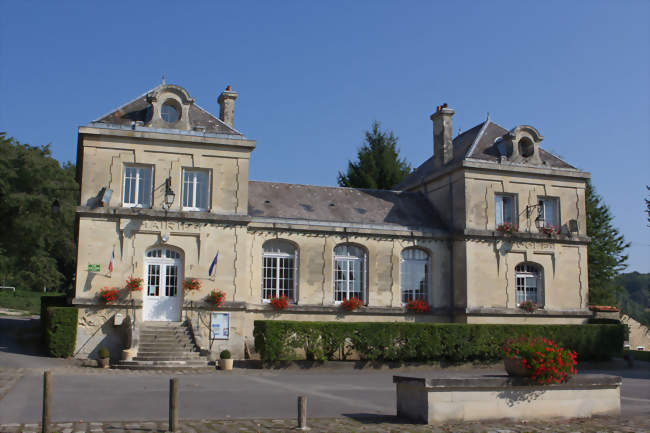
(227, 106)
(443, 149)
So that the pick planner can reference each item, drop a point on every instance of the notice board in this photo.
(220, 326)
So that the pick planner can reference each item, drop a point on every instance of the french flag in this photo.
(214, 264)
(110, 264)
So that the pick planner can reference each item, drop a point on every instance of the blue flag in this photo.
(213, 265)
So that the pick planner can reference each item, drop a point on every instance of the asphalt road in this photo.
(95, 395)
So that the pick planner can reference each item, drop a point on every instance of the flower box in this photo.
(351, 304)
(217, 297)
(528, 306)
(280, 302)
(109, 295)
(417, 306)
(191, 284)
(133, 284)
(507, 228)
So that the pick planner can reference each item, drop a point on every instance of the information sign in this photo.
(93, 268)
(220, 326)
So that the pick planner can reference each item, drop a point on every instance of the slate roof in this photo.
(341, 205)
(140, 110)
(475, 143)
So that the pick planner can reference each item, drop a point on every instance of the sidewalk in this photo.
(349, 425)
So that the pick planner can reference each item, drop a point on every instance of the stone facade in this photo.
(440, 231)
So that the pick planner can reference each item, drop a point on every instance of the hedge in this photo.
(50, 301)
(61, 331)
(639, 355)
(423, 342)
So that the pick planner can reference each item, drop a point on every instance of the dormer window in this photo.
(526, 147)
(169, 112)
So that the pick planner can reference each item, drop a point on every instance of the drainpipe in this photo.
(452, 301)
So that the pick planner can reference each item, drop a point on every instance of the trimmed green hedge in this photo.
(639, 355)
(50, 301)
(61, 331)
(423, 342)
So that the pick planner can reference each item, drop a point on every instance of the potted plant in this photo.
(351, 304)
(225, 361)
(417, 306)
(191, 284)
(217, 297)
(109, 295)
(280, 302)
(549, 230)
(507, 228)
(134, 284)
(104, 357)
(528, 306)
(540, 359)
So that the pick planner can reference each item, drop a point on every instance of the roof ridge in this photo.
(334, 187)
(478, 137)
(127, 103)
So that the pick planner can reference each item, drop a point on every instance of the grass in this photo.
(25, 300)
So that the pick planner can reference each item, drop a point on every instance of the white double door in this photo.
(163, 289)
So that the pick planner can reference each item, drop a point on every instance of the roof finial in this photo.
(163, 80)
(488, 117)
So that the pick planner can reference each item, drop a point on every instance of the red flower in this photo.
(217, 297)
(280, 302)
(109, 295)
(417, 306)
(191, 284)
(548, 362)
(351, 304)
(133, 284)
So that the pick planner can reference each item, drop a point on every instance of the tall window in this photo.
(528, 283)
(414, 274)
(196, 189)
(504, 206)
(349, 273)
(549, 212)
(278, 270)
(136, 189)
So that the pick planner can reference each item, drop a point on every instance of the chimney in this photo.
(443, 149)
(227, 106)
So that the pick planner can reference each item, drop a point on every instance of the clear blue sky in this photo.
(312, 76)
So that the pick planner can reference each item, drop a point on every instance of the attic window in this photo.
(169, 112)
(526, 147)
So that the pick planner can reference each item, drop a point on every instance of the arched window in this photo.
(279, 260)
(414, 274)
(349, 272)
(529, 283)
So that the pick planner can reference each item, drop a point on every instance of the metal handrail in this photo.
(9, 288)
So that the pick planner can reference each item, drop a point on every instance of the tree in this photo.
(606, 253)
(36, 247)
(378, 165)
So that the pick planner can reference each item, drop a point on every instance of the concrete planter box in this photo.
(225, 364)
(434, 401)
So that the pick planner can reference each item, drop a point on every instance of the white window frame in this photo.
(195, 184)
(524, 271)
(421, 293)
(500, 219)
(542, 210)
(136, 188)
(348, 259)
(276, 257)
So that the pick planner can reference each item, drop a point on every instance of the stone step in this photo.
(165, 334)
(148, 352)
(165, 340)
(149, 365)
(167, 346)
(165, 357)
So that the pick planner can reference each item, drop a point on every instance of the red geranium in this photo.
(417, 306)
(507, 228)
(191, 284)
(546, 362)
(217, 297)
(108, 295)
(351, 304)
(280, 302)
(134, 284)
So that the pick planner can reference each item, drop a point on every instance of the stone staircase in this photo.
(165, 345)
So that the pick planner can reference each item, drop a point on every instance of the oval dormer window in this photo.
(526, 147)
(169, 112)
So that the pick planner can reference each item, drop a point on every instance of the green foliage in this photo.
(225, 354)
(634, 299)
(46, 302)
(378, 165)
(36, 247)
(61, 331)
(605, 255)
(103, 352)
(639, 355)
(23, 300)
(423, 342)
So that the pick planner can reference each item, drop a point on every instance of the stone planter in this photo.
(104, 362)
(225, 364)
(514, 368)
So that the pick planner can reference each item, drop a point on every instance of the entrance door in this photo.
(163, 276)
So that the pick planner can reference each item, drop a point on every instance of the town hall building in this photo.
(489, 223)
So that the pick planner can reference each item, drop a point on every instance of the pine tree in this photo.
(378, 165)
(606, 252)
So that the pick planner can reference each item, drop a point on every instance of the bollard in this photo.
(302, 413)
(47, 394)
(173, 404)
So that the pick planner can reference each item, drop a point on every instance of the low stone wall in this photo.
(434, 401)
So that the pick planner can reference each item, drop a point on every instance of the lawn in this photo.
(24, 300)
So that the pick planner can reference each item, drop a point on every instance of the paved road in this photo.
(97, 395)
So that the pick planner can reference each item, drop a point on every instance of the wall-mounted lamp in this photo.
(539, 221)
(169, 193)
